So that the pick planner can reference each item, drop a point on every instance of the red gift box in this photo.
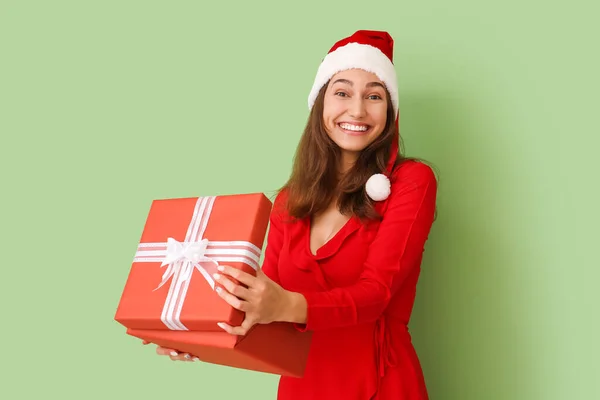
(169, 296)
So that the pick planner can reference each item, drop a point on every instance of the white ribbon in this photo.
(194, 253)
(182, 255)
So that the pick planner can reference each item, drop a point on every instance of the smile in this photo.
(354, 128)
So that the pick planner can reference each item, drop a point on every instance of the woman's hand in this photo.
(172, 353)
(262, 300)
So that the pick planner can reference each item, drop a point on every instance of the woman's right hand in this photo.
(172, 353)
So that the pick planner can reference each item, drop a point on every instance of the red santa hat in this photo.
(373, 52)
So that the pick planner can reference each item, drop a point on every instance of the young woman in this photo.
(347, 236)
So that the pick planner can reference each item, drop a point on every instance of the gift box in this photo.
(169, 297)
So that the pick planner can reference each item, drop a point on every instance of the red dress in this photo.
(360, 289)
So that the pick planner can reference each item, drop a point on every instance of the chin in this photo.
(353, 144)
(350, 148)
(354, 149)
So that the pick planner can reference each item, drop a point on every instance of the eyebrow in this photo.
(346, 81)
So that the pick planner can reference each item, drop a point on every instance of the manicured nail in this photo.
(217, 277)
(196, 359)
(221, 268)
(174, 353)
(218, 289)
(187, 356)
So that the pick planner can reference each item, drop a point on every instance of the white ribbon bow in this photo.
(186, 255)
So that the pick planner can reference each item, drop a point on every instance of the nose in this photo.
(357, 108)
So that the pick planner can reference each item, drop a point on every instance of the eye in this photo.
(341, 94)
(375, 97)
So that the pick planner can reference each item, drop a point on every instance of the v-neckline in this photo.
(329, 242)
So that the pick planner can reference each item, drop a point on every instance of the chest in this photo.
(325, 252)
(324, 227)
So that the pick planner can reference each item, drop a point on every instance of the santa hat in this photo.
(373, 52)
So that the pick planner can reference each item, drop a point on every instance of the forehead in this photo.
(357, 76)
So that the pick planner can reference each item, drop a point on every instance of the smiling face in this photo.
(354, 111)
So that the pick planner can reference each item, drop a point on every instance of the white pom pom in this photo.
(378, 187)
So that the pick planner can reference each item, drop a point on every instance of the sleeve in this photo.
(403, 231)
(274, 241)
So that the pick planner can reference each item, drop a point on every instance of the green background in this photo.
(106, 105)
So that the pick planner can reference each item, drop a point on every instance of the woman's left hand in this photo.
(263, 300)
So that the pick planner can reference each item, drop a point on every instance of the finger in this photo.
(165, 351)
(232, 300)
(236, 290)
(243, 329)
(248, 324)
(261, 277)
(238, 330)
(145, 342)
(260, 274)
(184, 357)
(238, 275)
(175, 355)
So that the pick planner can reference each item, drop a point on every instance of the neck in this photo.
(347, 160)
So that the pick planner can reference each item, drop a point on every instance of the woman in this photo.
(346, 238)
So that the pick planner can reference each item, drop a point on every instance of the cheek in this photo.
(330, 114)
(380, 116)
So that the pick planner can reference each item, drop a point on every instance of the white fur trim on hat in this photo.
(378, 187)
(356, 55)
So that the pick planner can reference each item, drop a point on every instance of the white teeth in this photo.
(354, 127)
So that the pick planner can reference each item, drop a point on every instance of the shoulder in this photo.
(413, 191)
(411, 173)
(279, 209)
(280, 199)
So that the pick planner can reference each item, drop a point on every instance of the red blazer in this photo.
(360, 289)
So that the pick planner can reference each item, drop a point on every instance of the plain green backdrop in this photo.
(107, 105)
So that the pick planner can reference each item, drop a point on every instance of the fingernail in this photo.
(216, 276)
(218, 289)
(221, 268)
(174, 353)
(187, 356)
(196, 359)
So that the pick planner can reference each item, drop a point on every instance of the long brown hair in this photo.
(314, 181)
